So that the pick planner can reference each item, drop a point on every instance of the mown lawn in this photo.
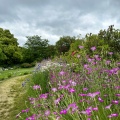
(14, 72)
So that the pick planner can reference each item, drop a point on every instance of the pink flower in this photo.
(86, 66)
(67, 87)
(71, 90)
(95, 109)
(118, 95)
(81, 47)
(62, 73)
(117, 87)
(108, 62)
(96, 56)
(85, 89)
(92, 95)
(35, 87)
(93, 48)
(88, 111)
(108, 107)
(78, 56)
(82, 94)
(63, 111)
(54, 89)
(25, 111)
(110, 53)
(73, 106)
(44, 96)
(88, 118)
(47, 112)
(115, 101)
(100, 99)
(113, 115)
(73, 83)
(57, 101)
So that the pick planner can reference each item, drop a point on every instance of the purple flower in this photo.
(115, 101)
(82, 94)
(33, 117)
(73, 106)
(57, 101)
(88, 111)
(108, 107)
(93, 48)
(92, 95)
(117, 87)
(88, 118)
(35, 87)
(118, 95)
(86, 66)
(67, 87)
(62, 73)
(95, 109)
(81, 47)
(96, 56)
(108, 62)
(73, 83)
(100, 99)
(63, 111)
(25, 111)
(44, 96)
(113, 115)
(110, 53)
(71, 90)
(85, 89)
(54, 89)
(47, 112)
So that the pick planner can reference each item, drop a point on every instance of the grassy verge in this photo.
(15, 72)
(21, 101)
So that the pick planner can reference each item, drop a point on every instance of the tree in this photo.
(63, 44)
(111, 37)
(9, 49)
(36, 48)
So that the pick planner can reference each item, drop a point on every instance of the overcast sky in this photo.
(52, 19)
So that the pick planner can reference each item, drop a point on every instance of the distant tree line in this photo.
(37, 49)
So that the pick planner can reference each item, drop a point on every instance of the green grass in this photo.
(21, 101)
(15, 72)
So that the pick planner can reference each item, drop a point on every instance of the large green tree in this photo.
(36, 48)
(9, 49)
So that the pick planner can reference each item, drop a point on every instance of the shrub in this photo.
(26, 73)
(25, 65)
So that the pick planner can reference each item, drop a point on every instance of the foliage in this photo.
(36, 48)
(63, 44)
(9, 51)
(27, 65)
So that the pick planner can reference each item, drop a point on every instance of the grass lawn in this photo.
(15, 72)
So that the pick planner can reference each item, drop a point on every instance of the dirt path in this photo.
(7, 94)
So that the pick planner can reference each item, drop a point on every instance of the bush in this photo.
(25, 65)
(26, 73)
(28, 65)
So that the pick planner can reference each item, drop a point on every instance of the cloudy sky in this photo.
(52, 19)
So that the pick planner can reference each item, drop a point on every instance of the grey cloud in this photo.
(54, 18)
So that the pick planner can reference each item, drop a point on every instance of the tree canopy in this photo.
(9, 49)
